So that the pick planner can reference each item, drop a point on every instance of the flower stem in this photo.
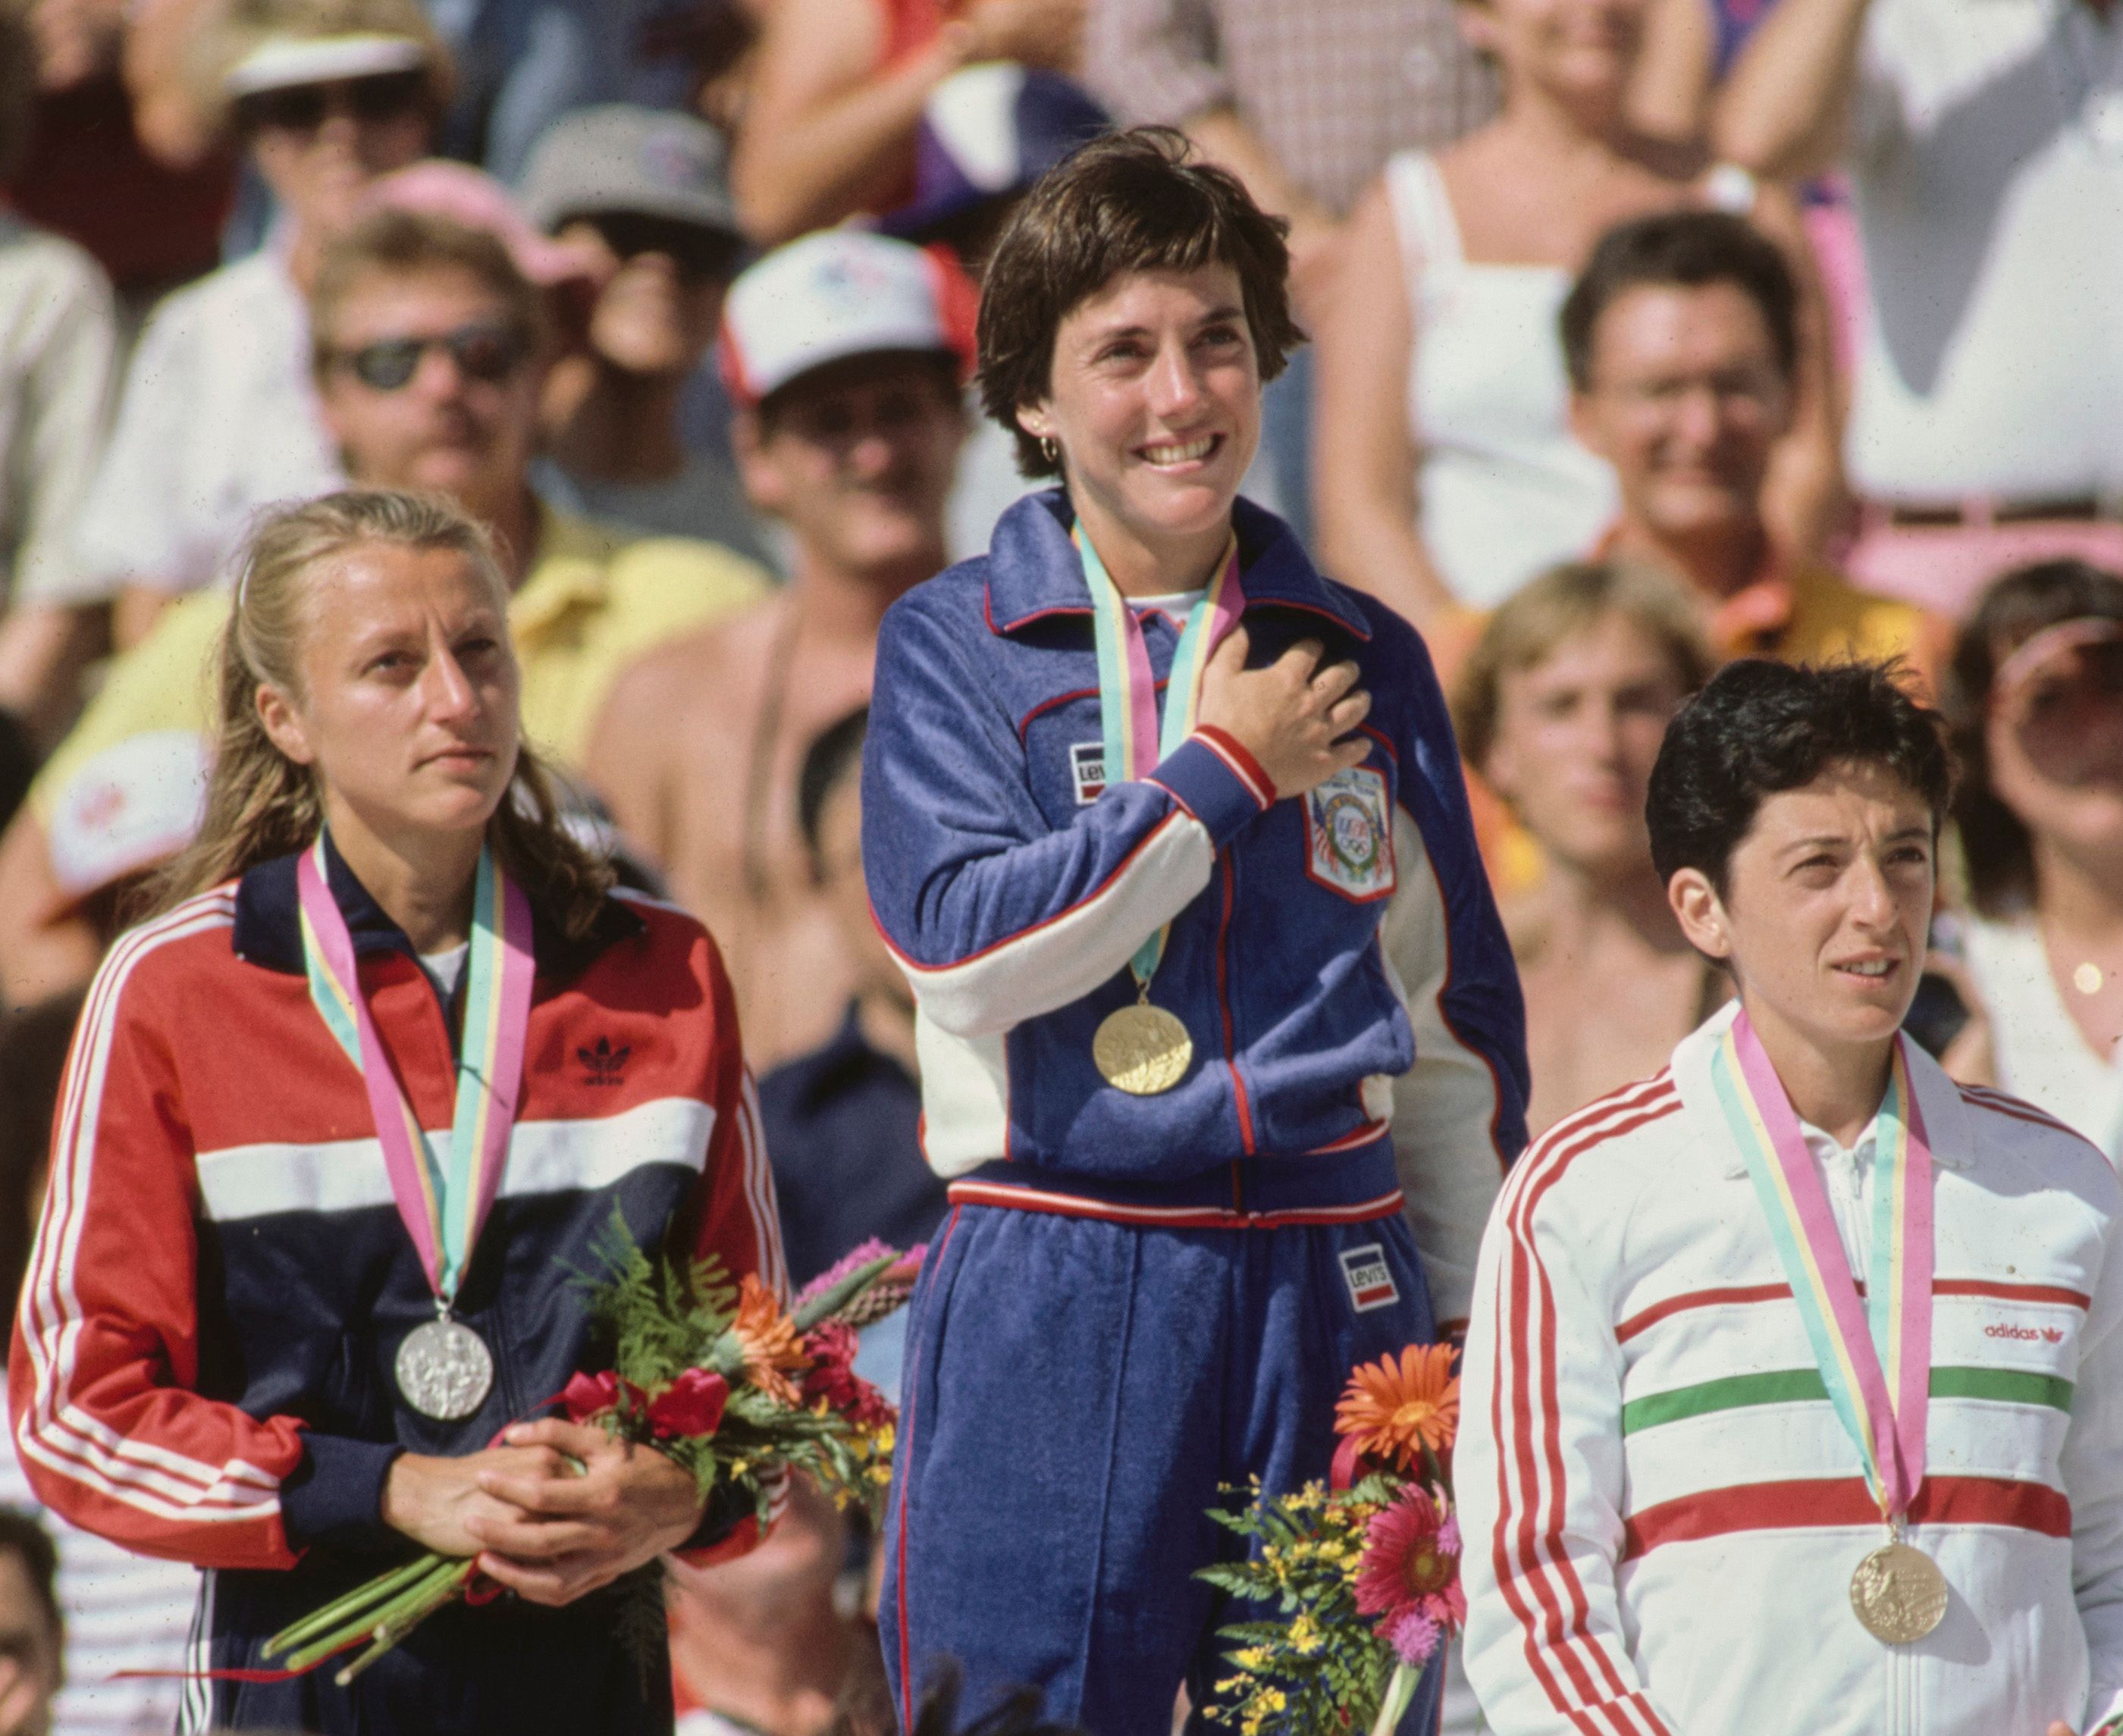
(1401, 1689)
(441, 1580)
(364, 1597)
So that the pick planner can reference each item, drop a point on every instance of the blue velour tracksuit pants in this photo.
(1079, 1390)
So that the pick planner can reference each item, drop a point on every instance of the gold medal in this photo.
(1899, 1593)
(1142, 1049)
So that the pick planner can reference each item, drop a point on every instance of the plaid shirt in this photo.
(1333, 87)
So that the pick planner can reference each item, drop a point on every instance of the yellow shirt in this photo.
(1815, 616)
(595, 599)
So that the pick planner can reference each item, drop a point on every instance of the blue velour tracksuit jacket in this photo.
(1137, 1300)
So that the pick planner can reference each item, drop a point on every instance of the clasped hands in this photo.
(538, 1525)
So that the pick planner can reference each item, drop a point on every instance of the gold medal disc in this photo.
(1142, 1049)
(1899, 1593)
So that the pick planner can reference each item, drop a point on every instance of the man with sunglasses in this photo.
(219, 414)
(428, 358)
(643, 192)
(841, 352)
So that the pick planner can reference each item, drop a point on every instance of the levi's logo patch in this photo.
(1087, 769)
(1369, 1277)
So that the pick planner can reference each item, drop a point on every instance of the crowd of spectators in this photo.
(1649, 333)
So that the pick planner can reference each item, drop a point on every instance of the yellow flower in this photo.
(1393, 1408)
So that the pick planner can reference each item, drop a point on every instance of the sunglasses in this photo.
(699, 253)
(303, 108)
(484, 352)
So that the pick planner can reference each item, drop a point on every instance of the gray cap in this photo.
(619, 158)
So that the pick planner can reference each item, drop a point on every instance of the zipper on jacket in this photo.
(1228, 875)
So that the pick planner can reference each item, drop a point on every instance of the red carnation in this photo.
(590, 1395)
(691, 1406)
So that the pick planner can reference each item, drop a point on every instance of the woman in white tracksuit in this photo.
(1700, 1297)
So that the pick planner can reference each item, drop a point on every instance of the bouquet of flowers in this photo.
(714, 1375)
(1363, 1570)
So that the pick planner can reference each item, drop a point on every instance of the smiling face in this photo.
(409, 689)
(1576, 735)
(448, 427)
(1686, 399)
(1826, 910)
(1154, 398)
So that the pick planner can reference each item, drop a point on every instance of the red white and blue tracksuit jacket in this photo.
(1337, 959)
(202, 1367)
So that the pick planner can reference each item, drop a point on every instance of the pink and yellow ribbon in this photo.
(444, 1203)
(1875, 1355)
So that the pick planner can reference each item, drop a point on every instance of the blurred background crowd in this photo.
(1647, 333)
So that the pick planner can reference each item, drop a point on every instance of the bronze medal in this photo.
(1142, 1049)
(1899, 1593)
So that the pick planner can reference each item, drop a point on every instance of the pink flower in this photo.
(1408, 1575)
(859, 1255)
(831, 1345)
(692, 1406)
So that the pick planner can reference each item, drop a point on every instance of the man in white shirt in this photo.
(1984, 139)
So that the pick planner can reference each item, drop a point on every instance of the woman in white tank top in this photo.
(1446, 472)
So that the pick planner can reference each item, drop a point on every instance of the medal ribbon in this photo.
(1884, 1407)
(442, 1203)
(1135, 741)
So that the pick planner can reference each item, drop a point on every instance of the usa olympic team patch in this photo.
(1348, 834)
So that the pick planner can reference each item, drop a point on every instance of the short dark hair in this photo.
(834, 755)
(1995, 844)
(1690, 250)
(23, 1538)
(1135, 201)
(1761, 728)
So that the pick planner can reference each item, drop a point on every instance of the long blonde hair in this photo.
(260, 803)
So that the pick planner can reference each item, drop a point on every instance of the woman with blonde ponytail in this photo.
(339, 1121)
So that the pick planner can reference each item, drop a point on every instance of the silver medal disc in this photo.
(445, 1370)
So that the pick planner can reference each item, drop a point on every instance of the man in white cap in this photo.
(219, 415)
(841, 351)
(643, 193)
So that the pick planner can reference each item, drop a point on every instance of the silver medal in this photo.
(445, 1370)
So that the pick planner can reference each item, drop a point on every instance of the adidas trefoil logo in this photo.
(606, 1064)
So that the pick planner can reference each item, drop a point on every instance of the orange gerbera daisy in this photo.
(1394, 1407)
(768, 1339)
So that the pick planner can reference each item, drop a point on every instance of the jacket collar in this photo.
(269, 931)
(1033, 571)
(1947, 1124)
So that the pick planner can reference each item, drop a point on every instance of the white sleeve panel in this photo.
(1064, 959)
(1444, 1106)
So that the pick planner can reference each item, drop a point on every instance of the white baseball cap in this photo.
(841, 292)
(282, 61)
(132, 806)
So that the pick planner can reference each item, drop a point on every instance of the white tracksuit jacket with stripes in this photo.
(1661, 1510)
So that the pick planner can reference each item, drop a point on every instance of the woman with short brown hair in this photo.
(1201, 985)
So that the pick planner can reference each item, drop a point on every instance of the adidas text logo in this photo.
(2026, 1335)
(606, 1064)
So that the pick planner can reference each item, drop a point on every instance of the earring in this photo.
(1051, 450)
